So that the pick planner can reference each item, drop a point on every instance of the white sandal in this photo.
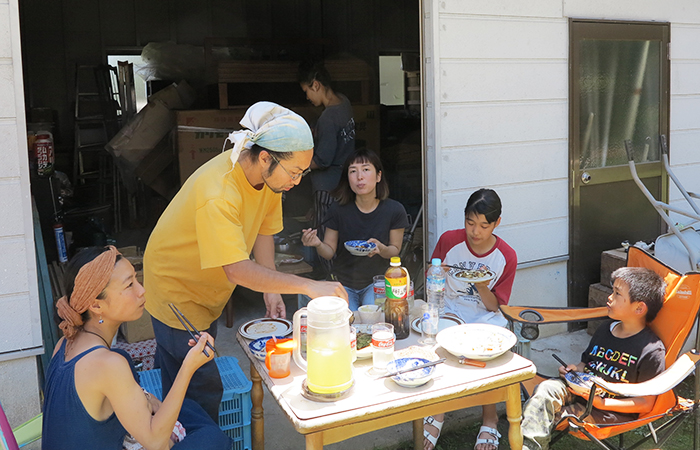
(492, 432)
(430, 420)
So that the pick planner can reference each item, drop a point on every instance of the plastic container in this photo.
(44, 153)
(234, 410)
(397, 282)
(435, 285)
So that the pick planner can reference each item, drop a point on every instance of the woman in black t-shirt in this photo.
(363, 212)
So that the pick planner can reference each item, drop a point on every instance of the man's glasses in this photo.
(293, 177)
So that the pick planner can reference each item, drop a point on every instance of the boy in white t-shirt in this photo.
(476, 247)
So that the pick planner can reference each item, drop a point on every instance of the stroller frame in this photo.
(663, 208)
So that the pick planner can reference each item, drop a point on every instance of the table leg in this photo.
(514, 413)
(418, 434)
(314, 441)
(257, 419)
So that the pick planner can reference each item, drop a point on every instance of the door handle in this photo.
(585, 177)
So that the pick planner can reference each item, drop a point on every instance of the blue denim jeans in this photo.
(359, 297)
(356, 297)
(171, 347)
(201, 431)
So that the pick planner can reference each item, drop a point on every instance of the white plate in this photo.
(479, 341)
(265, 327)
(489, 276)
(445, 322)
(284, 258)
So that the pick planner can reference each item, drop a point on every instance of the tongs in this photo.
(191, 328)
(411, 369)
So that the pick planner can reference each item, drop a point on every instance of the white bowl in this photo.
(478, 341)
(414, 378)
(371, 314)
(257, 347)
(359, 248)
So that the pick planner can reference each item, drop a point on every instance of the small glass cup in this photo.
(383, 340)
(353, 343)
(429, 323)
(379, 291)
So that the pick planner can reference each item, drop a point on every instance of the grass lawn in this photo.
(464, 438)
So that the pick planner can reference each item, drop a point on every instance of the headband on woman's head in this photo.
(92, 278)
(272, 127)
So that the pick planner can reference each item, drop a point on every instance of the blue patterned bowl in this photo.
(257, 347)
(414, 378)
(359, 248)
(582, 384)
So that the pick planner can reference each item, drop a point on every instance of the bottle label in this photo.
(383, 343)
(395, 288)
(435, 284)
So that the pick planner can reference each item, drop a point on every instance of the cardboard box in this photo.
(367, 127)
(141, 135)
(141, 329)
(611, 260)
(597, 296)
(195, 147)
(138, 330)
(201, 134)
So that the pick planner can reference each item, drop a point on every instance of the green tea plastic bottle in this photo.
(396, 282)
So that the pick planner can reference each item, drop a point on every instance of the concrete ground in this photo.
(279, 433)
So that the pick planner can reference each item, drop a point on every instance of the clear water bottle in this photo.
(435, 285)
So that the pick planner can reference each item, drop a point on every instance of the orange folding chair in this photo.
(672, 325)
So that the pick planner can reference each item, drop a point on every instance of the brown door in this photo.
(619, 89)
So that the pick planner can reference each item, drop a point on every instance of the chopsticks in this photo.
(191, 329)
(578, 378)
(411, 369)
(451, 267)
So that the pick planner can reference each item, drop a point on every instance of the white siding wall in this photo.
(20, 323)
(684, 142)
(496, 96)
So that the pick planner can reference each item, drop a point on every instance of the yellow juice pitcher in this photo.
(329, 361)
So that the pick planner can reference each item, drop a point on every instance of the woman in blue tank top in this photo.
(92, 399)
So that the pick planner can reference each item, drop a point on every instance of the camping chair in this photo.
(672, 325)
(24, 434)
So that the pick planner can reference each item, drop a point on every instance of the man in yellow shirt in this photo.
(200, 249)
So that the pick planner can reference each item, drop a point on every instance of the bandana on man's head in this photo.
(272, 127)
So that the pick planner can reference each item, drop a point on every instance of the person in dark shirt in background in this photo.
(334, 137)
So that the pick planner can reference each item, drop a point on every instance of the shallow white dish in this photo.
(359, 248)
(472, 279)
(414, 378)
(266, 326)
(478, 341)
(257, 347)
(445, 322)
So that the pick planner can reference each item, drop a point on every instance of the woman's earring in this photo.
(100, 321)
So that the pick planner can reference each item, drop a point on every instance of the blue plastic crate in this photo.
(234, 410)
(150, 381)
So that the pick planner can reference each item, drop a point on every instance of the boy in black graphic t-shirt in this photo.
(622, 351)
